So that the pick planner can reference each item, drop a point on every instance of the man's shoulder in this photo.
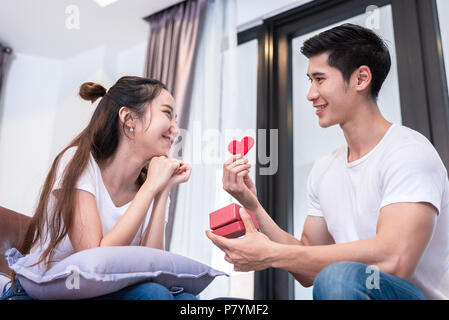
(406, 141)
(402, 135)
(324, 162)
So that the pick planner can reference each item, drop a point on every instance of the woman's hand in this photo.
(161, 171)
(237, 183)
(181, 175)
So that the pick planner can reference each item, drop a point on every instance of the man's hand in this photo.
(254, 251)
(237, 182)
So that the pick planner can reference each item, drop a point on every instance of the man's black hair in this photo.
(351, 46)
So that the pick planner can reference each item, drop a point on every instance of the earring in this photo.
(131, 129)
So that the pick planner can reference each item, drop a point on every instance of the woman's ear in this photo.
(125, 116)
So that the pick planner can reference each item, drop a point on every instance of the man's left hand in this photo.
(254, 251)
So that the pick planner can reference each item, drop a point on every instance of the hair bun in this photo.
(91, 91)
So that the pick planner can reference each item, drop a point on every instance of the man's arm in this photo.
(403, 232)
(314, 233)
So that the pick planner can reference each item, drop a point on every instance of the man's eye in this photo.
(319, 79)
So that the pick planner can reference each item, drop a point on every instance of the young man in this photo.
(377, 225)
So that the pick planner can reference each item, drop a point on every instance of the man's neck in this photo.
(364, 131)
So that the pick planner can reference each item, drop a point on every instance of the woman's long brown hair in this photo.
(101, 138)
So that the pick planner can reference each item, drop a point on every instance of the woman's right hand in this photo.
(160, 170)
(237, 183)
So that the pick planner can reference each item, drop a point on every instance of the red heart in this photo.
(241, 147)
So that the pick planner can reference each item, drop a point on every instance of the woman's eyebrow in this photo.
(168, 106)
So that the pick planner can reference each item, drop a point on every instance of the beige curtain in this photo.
(171, 55)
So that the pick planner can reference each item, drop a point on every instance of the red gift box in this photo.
(226, 222)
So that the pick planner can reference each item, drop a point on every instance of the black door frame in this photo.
(423, 95)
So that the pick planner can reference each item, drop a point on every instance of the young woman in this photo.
(110, 185)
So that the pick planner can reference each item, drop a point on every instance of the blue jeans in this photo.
(355, 281)
(140, 291)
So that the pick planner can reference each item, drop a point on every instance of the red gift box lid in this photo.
(228, 215)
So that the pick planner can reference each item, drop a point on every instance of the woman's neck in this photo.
(120, 172)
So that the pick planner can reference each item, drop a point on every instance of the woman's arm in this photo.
(86, 231)
(124, 231)
(154, 234)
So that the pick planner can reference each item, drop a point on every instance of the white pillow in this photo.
(103, 270)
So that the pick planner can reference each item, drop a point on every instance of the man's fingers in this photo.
(218, 241)
(240, 167)
(233, 176)
(247, 221)
(233, 159)
(226, 174)
(238, 162)
(242, 174)
(229, 168)
(227, 259)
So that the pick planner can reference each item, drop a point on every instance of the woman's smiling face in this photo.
(155, 134)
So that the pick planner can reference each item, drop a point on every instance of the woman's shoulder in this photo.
(68, 155)
(89, 173)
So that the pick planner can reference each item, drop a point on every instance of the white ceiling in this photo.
(38, 27)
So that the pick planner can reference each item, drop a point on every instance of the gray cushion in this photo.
(99, 271)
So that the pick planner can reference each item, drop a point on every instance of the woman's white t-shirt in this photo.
(403, 167)
(90, 181)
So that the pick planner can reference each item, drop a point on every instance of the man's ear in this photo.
(363, 78)
(126, 117)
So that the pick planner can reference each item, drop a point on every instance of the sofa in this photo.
(13, 226)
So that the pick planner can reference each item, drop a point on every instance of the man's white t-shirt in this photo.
(403, 167)
(91, 181)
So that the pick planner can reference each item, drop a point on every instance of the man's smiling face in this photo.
(330, 94)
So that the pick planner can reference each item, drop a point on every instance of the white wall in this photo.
(131, 61)
(42, 113)
(28, 113)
